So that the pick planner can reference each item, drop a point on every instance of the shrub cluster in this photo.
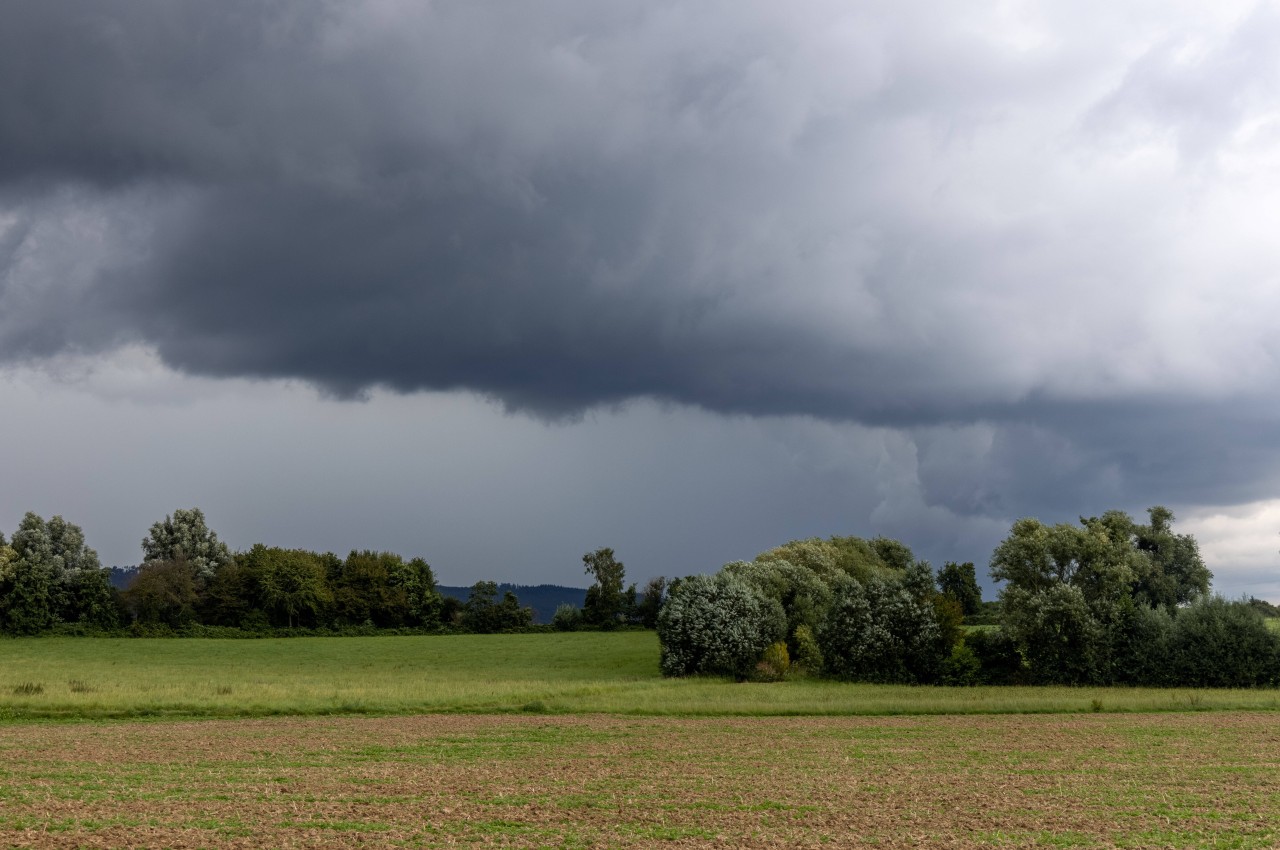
(1109, 601)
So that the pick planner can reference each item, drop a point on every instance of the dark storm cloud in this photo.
(853, 215)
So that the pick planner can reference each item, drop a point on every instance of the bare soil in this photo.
(1097, 780)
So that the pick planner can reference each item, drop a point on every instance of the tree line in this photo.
(1108, 602)
(50, 580)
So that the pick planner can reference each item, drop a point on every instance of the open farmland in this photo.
(613, 673)
(1186, 780)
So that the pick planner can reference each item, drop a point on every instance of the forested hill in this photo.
(542, 598)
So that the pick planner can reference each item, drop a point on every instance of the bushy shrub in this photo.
(961, 667)
(1058, 635)
(567, 618)
(717, 625)
(803, 595)
(1220, 644)
(774, 665)
(880, 632)
(999, 662)
(1139, 643)
(806, 654)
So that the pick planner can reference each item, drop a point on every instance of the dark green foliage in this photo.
(882, 631)
(91, 600)
(1057, 633)
(650, 602)
(717, 625)
(999, 661)
(482, 614)
(961, 668)
(1219, 644)
(960, 582)
(1263, 607)
(26, 598)
(606, 604)
(164, 592)
(1139, 645)
(289, 585)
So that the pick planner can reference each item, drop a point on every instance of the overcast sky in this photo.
(499, 283)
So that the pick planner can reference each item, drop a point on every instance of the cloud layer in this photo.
(1036, 239)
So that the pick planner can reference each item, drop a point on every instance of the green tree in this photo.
(164, 592)
(292, 587)
(716, 625)
(960, 582)
(483, 614)
(884, 630)
(186, 536)
(52, 576)
(366, 593)
(1173, 573)
(606, 604)
(655, 593)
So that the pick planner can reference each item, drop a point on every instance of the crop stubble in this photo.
(1181, 780)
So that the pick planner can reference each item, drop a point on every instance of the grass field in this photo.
(543, 673)
(1202, 780)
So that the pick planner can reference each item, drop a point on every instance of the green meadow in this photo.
(561, 673)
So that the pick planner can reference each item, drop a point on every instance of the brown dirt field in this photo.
(1179, 780)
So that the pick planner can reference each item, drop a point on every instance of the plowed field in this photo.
(1179, 780)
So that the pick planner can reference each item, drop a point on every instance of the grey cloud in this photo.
(866, 215)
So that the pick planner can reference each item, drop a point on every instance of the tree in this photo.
(803, 595)
(365, 592)
(716, 625)
(605, 605)
(51, 576)
(655, 593)
(482, 615)
(423, 603)
(884, 630)
(1173, 573)
(291, 585)
(185, 536)
(164, 592)
(960, 582)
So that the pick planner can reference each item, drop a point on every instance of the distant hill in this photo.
(120, 577)
(542, 598)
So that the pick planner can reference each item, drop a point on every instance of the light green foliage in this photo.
(186, 536)
(606, 604)
(1078, 599)
(567, 618)
(1105, 557)
(803, 595)
(774, 664)
(807, 655)
(717, 625)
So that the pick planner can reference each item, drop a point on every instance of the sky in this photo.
(496, 284)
